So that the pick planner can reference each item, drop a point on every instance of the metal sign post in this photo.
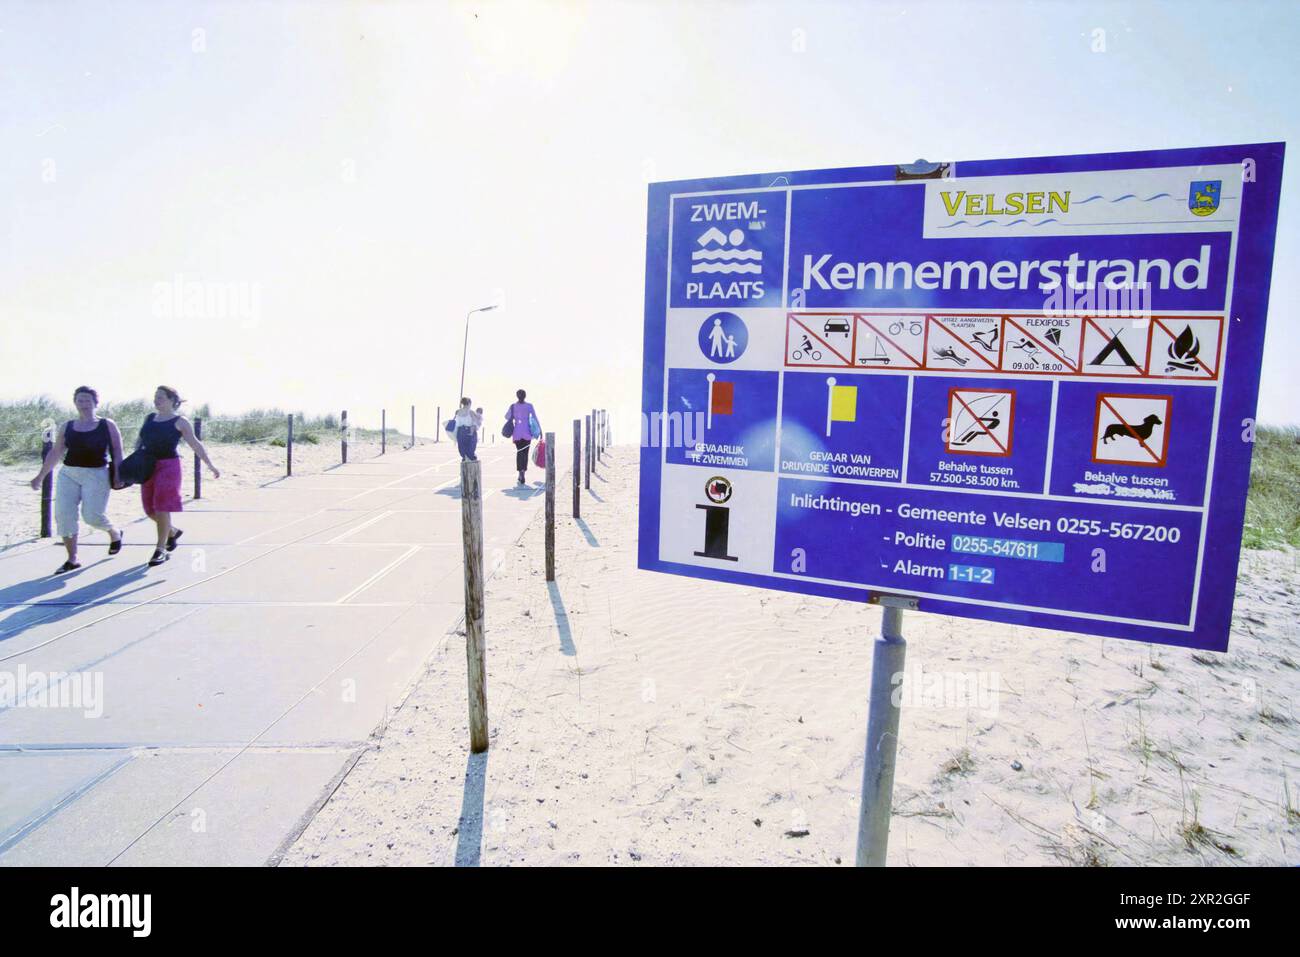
(880, 757)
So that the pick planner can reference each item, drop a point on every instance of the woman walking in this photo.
(160, 435)
(88, 441)
(468, 422)
(525, 427)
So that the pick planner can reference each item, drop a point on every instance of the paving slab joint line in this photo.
(67, 800)
(377, 735)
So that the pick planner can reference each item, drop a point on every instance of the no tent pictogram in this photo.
(980, 421)
(1132, 429)
(1116, 346)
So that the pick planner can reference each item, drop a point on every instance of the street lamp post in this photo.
(465, 350)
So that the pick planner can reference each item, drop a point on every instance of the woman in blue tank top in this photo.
(160, 436)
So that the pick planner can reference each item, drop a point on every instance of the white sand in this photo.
(686, 722)
(241, 465)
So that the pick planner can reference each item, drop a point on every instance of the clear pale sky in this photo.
(375, 170)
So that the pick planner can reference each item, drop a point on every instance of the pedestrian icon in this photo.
(980, 421)
(723, 337)
(1132, 429)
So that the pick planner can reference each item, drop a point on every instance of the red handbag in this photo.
(539, 454)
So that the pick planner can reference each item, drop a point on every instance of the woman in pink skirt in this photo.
(161, 494)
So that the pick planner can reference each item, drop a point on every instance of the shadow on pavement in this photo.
(57, 608)
(523, 492)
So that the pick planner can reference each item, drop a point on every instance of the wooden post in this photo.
(47, 489)
(383, 431)
(288, 449)
(586, 457)
(577, 468)
(198, 466)
(437, 420)
(593, 427)
(550, 506)
(471, 514)
(343, 436)
(412, 426)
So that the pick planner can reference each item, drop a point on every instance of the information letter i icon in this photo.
(717, 519)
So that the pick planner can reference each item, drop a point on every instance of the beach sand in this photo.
(639, 718)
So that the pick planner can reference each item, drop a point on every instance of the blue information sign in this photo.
(1020, 390)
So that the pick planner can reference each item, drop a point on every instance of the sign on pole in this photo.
(1020, 390)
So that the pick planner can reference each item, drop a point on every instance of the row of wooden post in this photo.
(471, 510)
(47, 485)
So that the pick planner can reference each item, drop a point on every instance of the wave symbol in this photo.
(727, 267)
(727, 254)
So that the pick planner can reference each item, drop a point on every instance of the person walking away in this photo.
(468, 422)
(84, 483)
(525, 428)
(160, 435)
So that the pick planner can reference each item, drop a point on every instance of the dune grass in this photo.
(1273, 505)
(22, 424)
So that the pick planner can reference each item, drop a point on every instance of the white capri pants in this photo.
(83, 487)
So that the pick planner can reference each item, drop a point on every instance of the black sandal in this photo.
(171, 539)
(67, 567)
(115, 546)
(159, 556)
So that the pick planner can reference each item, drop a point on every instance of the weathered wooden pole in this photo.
(471, 514)
(550, 506)
(586, 458)
(198, 466)
(288, 449)
(577, 468)
(437, 418)
(343, 436)
(383, 431)
(412, 426)
(47, 488)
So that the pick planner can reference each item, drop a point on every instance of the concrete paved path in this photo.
(239, 682)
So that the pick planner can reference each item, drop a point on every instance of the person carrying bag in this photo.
(521, 426)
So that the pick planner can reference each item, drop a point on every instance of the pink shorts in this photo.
(162, 492)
